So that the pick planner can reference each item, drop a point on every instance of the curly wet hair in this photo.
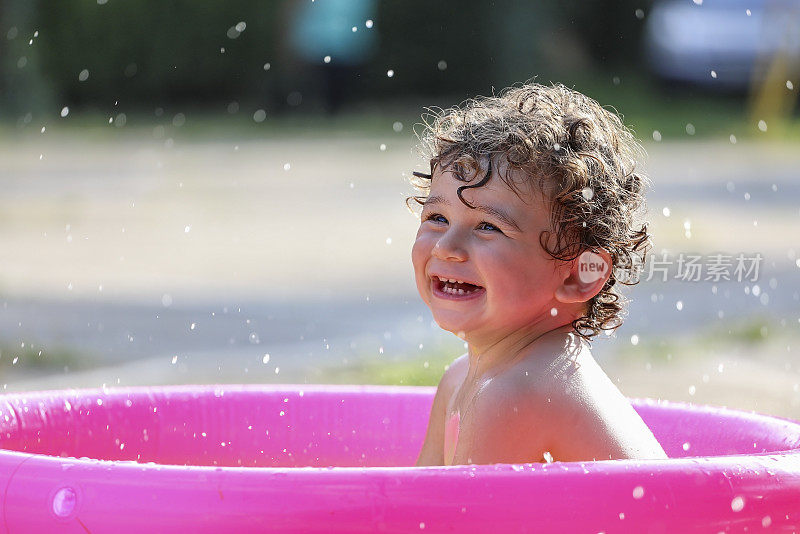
(579, 154)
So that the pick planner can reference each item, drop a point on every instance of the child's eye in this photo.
(435, 217)
(489, 226)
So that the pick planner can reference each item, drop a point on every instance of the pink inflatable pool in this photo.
(338, 459)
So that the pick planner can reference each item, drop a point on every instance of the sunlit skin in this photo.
(528, 388)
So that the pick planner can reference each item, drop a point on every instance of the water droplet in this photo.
(634, 339)
(587, 193)
(267, 66)
(193, 326)
(254, 340)
(369, 23)
(732, 139)
(679, 305)
(553, 312)
(639, 14)
(766, 521)
(692, 390)
(421, 525)
(84, 75)
(354, 29)
(259, 115)
(326, 59)
(638, 492)
(265, 359)
(686, 446)
(789, 85)
(442, 65)
(714, 74)
(166, 300)
(174, 359)
(698, 2)
(287, 166)
(397, 126)
(547, 457)
(383, 147)
(748, 12)
(64, 111)
(690, 128)
(390, 73)
(737, 504)
(64, 502)
(240, 27)
(665, 211)
(656, 135)
(762, 125)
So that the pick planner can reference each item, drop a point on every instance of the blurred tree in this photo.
(23, 88)
(150, 54)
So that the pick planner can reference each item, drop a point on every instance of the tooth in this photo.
(452, 281)
(460, 291)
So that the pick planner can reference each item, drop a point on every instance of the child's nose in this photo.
(450, 247)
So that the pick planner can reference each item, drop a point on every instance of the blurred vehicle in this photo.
(721, 43)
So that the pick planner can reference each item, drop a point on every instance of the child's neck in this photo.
(492, 355)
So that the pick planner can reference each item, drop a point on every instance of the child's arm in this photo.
(432, 452)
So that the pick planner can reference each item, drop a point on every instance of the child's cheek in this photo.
(420, 254)
(420, 251)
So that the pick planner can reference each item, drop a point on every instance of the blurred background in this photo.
(214, 192)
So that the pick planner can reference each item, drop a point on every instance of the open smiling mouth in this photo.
(455, 289)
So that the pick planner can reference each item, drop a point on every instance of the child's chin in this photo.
(450, 324)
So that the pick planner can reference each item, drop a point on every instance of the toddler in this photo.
(527, 225)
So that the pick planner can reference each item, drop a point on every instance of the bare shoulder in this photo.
(590, 418)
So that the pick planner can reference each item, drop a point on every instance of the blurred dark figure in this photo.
(334, 38)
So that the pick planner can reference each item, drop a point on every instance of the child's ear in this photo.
(586, 276)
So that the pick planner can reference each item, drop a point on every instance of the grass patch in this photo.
(753, 332)
(423, 370)
(646, 104)
(30, 358)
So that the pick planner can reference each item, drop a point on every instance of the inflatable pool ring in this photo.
(338, 459)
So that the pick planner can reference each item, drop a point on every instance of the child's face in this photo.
(517, 278)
